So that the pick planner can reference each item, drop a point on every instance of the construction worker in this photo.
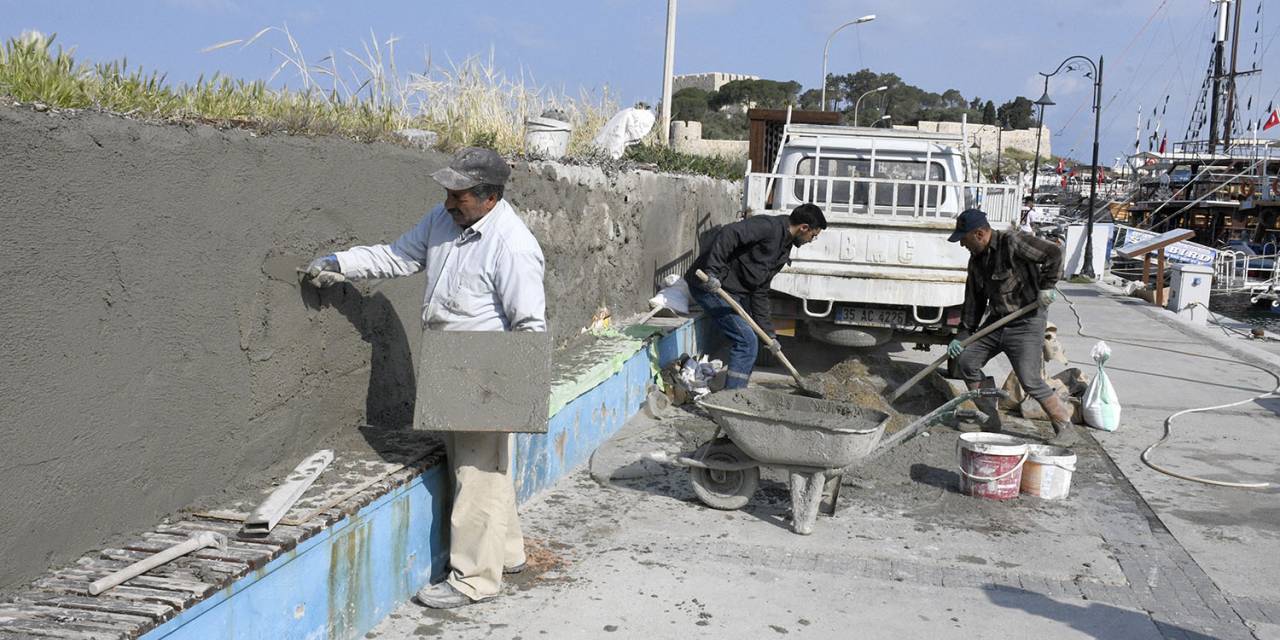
(742, 260)
(1007, 271)
(484, 273)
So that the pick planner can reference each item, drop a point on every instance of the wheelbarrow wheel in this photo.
(727, 490)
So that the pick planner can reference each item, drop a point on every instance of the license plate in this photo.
(871, 317)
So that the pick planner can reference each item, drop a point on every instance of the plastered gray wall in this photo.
(150, 361)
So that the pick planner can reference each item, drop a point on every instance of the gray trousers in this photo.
(1023, 342)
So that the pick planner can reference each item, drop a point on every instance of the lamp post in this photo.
(1044, 101)
(1087, 269)
(977, 146)
(668, 64)
(827, 49)
(858, 103)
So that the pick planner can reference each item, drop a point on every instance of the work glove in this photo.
(712, 284)
(1047, 297)
(955, 349)
(775, 347)
(324, 272)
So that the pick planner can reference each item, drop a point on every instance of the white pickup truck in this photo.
(883, 270)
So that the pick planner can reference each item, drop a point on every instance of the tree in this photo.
(1017, 113)
(989, 113)
(689, 103)
(952, 99)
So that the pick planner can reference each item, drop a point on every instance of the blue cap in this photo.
(967, 221)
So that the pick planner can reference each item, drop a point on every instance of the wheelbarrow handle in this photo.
(702, 276)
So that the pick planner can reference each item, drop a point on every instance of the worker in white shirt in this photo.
(484, 273)
(1029, 215)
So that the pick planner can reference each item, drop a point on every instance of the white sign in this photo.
(1185, 252)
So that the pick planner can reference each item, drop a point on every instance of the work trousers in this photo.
(743, 343)
(1023, 342)
(484, 529)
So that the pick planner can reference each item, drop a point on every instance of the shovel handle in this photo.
(754, 327)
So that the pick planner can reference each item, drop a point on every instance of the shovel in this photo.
(803, 388)
(897, 393)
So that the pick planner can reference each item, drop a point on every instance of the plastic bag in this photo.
(1101, 407)
(625, 128)
(675, 296)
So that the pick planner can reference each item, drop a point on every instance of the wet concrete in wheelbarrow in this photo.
(906, 555)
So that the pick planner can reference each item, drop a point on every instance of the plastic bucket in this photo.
(1047, 473)
(991, 465)
(547, 138)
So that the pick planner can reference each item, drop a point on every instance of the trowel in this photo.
(803, 387)
(285, 268)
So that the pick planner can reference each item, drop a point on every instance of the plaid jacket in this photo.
(1008, 275)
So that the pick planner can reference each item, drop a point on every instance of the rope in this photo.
(1168, 422)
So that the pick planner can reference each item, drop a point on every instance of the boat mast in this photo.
(1231, 82)
(1219, 38)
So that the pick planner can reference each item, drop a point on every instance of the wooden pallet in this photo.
(58, 605)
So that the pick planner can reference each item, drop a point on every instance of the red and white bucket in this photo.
(991, 465)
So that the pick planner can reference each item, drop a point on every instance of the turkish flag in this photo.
(1163, 141)
(1272, 121)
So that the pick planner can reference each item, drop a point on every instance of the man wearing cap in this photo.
(484, 273)
(741, 261)
(1007, 271)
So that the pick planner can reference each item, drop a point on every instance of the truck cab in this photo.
(883, 269)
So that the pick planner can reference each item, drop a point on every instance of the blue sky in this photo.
(988, 48)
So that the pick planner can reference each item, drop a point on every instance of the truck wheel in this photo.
(726, 490)
(855, 337)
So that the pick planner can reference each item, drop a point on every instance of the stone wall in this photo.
(1020, 139)
(686, 137)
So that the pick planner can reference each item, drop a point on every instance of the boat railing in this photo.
(1235, 270)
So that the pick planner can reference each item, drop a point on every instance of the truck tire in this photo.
(845, 336)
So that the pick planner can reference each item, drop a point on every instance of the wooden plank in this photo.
(79, 586)
(253, 555)
(154, 611)
(281, 538)
(43, 625)
(103, 619)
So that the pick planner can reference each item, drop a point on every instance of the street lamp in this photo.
(977, 146)
(1044, 101)
(858, 103)
(827, 49)
(1087, 269)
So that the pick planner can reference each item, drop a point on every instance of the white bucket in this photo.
(1047, 473)
(990, 465)
(547, 138)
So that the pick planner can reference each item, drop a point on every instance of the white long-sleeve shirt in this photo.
(484, 278)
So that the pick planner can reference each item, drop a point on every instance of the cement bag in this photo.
(674, 297)
(1101, 408)
(625, 128)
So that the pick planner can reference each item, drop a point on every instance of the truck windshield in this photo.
(816, 190)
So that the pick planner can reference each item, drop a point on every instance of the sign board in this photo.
(497, 381)
(1073, 252)
(1177, 245)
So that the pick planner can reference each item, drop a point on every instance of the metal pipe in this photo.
(1087, 270)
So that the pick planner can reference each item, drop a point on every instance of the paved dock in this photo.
(625, 550)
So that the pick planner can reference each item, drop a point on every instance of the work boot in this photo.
(442, 595)
(1064, 432)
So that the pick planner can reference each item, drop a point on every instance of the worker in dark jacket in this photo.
(742, 261)
(1007, 271)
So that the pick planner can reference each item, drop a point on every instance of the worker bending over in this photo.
(742, 260)
(1007, 271)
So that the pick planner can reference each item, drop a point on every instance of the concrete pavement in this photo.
(624, 549)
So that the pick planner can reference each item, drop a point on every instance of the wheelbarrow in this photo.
(813, 440)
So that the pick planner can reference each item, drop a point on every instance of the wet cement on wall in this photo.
(155, 351)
